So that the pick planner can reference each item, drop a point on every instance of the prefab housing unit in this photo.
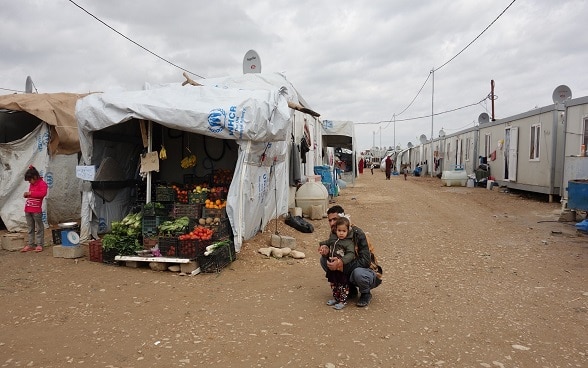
(525, 151)
(576, 135)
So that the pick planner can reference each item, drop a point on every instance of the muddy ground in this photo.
(473, 278)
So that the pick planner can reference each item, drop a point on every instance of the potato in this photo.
(208, 220)
(202, 221)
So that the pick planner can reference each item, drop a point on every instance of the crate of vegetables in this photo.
(164, 194)
(221, 229)
(168, 246)
(195, 242)
(187, 210)
(150, 225)
(156, 209)
(175, 227)
(197, 197)
(217, 256)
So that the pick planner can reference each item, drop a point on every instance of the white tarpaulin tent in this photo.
(47, 139)
(251, 109)
(340, 134)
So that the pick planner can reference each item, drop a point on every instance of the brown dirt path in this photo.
(473, 278)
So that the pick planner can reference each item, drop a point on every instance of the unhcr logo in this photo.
(216, 120)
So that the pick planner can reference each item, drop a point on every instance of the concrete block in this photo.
(188, 267)
(60, 251)
(132, 264)
(316, 212)
(283, 241)
(13, 242)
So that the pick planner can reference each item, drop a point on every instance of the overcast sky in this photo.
(363, 61)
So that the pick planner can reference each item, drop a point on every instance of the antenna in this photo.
(483, 118)
(561, 94)
(251, 62)
(423, 139)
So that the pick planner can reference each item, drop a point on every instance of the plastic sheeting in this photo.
(15, 158)
(251, 109)
(225, 113)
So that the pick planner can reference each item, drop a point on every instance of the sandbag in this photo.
(300, 224)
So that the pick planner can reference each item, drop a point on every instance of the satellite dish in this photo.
(483, 118)
(561, 93)
(423, 139)
(441, 133)
(251, 62)
(398, 147)
(409, 145)
(29, 85)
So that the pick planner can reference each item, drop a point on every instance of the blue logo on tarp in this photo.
(216, 120)
(102, 224)
(49, 179)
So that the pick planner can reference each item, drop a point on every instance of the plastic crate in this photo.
(187, 210)
(164, 194)
(95, 251)
(150, 242)
(56, 235)
(150, 224)
(168, 246)
(192, 248)
(197, 198)
(223, 230)
(108, 256)
(157, 211)
(214, 212)
(219, 259)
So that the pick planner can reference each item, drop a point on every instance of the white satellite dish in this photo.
(29, 85)
(441, 133)
(561, 94)
(423, 139)
(409, 145)
(251, 62)
(483, 118)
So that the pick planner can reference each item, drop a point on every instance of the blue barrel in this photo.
(578, 194)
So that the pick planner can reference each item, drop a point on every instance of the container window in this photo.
(534, 146)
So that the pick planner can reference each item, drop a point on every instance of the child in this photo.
(341, 246)
(405, 172)
(33, 210)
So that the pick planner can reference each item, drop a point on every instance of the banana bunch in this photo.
(188, 162)
(162, 153)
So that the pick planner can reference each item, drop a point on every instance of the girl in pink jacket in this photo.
(33, 210)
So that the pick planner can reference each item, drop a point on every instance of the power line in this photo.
(418, 93)
(427, 116)
(448, 61)
(144, 48)
(478, 36)
(11, 90)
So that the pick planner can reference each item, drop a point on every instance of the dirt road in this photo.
(473, 278)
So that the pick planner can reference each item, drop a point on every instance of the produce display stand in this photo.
(152, 259)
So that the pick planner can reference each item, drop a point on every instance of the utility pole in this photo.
(432, 118)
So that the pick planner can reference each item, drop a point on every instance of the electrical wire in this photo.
(478, 36)
(12, 90)
(425, 116)
(127, 38)
(448, 61)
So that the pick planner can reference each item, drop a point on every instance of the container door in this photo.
(512, 154)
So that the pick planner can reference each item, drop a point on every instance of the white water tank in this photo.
(312, 194)
(454, 178)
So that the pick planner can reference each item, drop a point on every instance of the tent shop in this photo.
(241, 131)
